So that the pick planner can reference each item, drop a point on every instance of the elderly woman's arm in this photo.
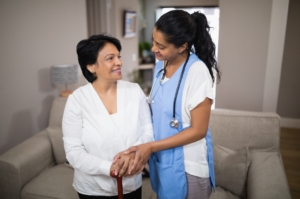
(76, 153)
(146, 134)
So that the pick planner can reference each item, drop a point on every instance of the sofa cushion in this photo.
(231, 168)
(236, 129)
(55, 182)
(222, 194)
(265, 177)
(55, 134)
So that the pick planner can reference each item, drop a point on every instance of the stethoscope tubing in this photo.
(177, 89)
(178, 86)
(162, 78)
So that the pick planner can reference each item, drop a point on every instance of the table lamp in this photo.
(65, 74)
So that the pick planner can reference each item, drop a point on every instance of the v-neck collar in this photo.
(101, 109)
(177, 71)
(100, 101)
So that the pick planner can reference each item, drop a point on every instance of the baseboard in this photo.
(290, 123)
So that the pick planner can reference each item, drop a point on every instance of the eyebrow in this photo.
(109, 54)
(157, 42)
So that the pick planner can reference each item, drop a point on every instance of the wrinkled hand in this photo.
(142, 154)
(113, 167)
(122, 164)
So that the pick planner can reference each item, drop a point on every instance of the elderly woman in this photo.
(101, 119)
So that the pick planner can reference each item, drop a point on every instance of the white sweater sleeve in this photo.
(76, 153)
(146, 134)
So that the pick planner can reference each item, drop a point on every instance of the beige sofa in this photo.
(35, 168)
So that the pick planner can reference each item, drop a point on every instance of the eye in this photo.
(119, 57)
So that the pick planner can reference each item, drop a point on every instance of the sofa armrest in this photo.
(266, 177)
(23, 163)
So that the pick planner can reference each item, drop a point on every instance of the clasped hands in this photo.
(131, 161)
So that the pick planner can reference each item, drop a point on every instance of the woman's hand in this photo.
(122, 164)
(142, 154)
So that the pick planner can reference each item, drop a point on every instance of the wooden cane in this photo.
(120, 185)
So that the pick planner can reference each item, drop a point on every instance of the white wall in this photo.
(275, 54)
(243, 50)
(35, 34)
(251, 47)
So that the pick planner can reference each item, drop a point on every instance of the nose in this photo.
(154, 49)
(118, 62)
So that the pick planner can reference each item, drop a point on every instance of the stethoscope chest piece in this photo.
(174, 123)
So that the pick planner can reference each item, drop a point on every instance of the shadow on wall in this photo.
(45, 86)
(44, 80)
(43, 117)
(35, 118)
(21, 128)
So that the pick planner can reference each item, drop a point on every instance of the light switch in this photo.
(133, 57)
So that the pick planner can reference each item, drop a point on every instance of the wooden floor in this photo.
(290, 151)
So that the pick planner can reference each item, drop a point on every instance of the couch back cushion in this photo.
(236, 129)
(57, 111)
(55, 135)
(55, 129)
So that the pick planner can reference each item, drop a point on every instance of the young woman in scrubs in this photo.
(181, 158)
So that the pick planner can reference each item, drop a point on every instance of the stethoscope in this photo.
(174, 122)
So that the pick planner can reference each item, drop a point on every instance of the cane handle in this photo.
(120, 185)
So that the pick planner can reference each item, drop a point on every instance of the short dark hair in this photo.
(88, 50)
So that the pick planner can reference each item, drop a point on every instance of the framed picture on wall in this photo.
(129, 24)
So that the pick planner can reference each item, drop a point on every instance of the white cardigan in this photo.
(92, 139)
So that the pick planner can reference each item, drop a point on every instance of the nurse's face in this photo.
(108, 64)
(163, 50)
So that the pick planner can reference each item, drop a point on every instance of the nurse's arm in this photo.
(199, 125)
(146, 133)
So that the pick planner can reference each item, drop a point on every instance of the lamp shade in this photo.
(65, 74)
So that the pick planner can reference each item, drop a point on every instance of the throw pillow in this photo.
(231, 169)
(266, 177)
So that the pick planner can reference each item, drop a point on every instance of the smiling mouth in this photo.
(117, 70)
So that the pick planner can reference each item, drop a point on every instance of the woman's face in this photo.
(163, 50)
(108, 64)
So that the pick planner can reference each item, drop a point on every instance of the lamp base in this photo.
(65, 93)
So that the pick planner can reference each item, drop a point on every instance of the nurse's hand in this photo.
(122, 165)
(142, 154)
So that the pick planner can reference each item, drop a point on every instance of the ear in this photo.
(91, 68)
(183, 48)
